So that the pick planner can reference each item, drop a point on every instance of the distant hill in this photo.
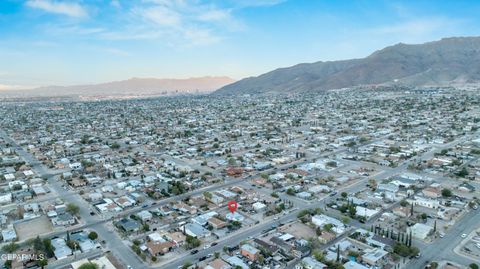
(448, 61)
(134, 87)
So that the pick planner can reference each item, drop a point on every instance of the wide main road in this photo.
(443, 248)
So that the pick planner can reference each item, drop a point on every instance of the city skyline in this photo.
(77, 42)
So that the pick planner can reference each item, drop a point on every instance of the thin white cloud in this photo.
(418, 29)
(200, 37)
(185, 22)
(257, 3)
(115, 3)
(117, 52)
(162, 15)
(174, 22)
(215, 15)
(70, 9)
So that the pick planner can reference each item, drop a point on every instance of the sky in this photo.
(69, 42)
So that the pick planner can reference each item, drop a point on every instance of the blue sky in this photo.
(55, 42)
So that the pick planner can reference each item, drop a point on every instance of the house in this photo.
(466, 187)
(156, 237)
(249, 252)
(129, 225)
(265, 245)
(203, 219)
(144, 215)
(322, 220)
(95, 196)
(237, 262)
(9, 235)
(388, 187)
(380, 241)
(281, 244)
(6, 198)
(304, 195)
(326, 237)
(234, 171)
(365, 212)
(77, 183)
(184, 208)
(195, 230)
(403, 182)
(354, 265)
(64, 219)
(108, 206)
(426, 202)
(420, 231)
(217, 223)
(155, 248)
(375, 257)
(235, 216)
(259, 207)
(124, 201)
(430, 192)
(402, 211)
(61, 250)
(311, 263)
(39, 190)
(176, 237)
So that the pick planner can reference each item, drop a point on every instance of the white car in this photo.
(464, 235)
(441, 235)
(206, 246)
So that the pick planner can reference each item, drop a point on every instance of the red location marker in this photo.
(232, 206)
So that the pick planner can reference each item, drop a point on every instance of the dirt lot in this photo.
(299, 230)
(31, 228)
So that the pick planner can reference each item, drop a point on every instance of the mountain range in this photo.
(134, 87)
(448, 61)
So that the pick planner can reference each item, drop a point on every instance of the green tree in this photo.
(92, 235)
(463, 172)
(290, 191)
(473, 266)
(42, 263)
(10, 248)
(115, 146)
(49, 249)
(446, 193)
(318, 255)
(38, 244)
(73, 209)
(207, 195)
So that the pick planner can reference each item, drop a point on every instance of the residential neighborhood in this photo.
(337, 180)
